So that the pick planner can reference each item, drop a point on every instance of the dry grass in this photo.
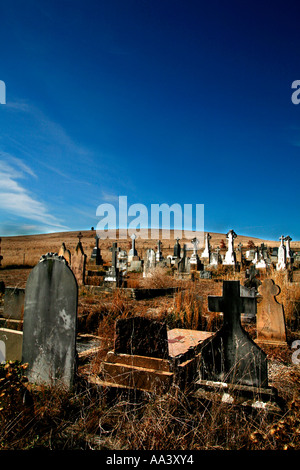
(90, 418)
(158, 278)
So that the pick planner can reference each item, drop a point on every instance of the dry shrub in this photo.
(177, 421)
(158, 278)
(187, 309)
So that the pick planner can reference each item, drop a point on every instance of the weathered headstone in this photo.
(113, 276)
(215, 258)
(132, 252)
(249, 292)
(177, 248)
(159, 256)
(65, 253)
(14, 303)
(96, 257)
(149, 262)
(206, 252)
(232, 356)
(270, 321)
(50, 318)
(289, 254)
(194, 260)
(141, 336)
(79, 264)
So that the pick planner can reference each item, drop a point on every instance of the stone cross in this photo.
(240, 246)
(114, 250)
(206, 252)
(133, 251)
(230, 255)
(232, 356)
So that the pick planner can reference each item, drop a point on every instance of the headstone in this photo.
(149, 262)
(79, 264)
(184, 263)
(14, 303)
(177, 248)
(261, 263)
(250, 278)
(194, 260)
(136, 266)
(215, 258)
(12, 349)
(50, 317)
(65, 253)
(289, 254)
(232, 356)
(206, 252)
(281, 263)
(96, 257)
(239, 253)
(122, 261)
(141, 336)
(159, 256)
(270, 320)
(230, 258)
(132, 252)
(249, 292)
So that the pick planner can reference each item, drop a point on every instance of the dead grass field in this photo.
(27, 249)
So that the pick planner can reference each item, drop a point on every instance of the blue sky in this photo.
(163, 101)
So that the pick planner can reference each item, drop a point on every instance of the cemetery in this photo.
(109, 344)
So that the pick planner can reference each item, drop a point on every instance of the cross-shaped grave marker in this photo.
(232, 356)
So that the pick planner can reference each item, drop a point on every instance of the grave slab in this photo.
(14, 303)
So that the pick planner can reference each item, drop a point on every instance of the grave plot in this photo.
(147, 357)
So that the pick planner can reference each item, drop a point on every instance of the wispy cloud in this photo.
(16, 200)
